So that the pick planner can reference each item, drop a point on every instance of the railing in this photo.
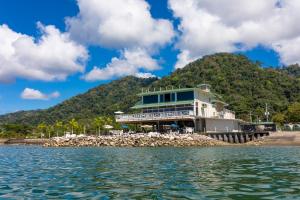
(226, 114)
(154, 116)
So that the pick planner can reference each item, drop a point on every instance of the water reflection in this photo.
(153, 173)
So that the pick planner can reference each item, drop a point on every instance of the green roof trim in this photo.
(138, 106)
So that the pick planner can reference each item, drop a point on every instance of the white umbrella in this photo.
(119, 112)
(108, 126)
(146, 126)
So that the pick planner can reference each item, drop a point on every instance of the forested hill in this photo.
(292, 70)
(101, 100)
(245, 85)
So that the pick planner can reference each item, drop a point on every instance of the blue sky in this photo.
(154, 40)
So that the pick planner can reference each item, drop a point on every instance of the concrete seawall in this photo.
(237, 137)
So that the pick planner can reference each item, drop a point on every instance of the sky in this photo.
(52, 50)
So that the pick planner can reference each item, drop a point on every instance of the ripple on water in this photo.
(153, 173)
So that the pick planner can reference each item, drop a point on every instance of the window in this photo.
(173, 97)
(185, 96)
(150, 99)
(167, 97)
(161, 98)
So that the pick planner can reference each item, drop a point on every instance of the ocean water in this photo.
(33, 172)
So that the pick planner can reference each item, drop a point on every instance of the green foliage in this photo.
(294, 112)
(73, 126)
(292, 70)
(15, 130)
(279, 118)
(244, 85)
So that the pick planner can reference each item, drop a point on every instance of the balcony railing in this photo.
(155, 116)
(226, 114)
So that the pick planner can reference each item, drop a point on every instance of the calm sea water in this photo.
(150, 173)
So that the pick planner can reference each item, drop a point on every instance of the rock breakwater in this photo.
(136, 140)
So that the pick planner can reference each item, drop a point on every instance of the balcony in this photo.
(171, 115)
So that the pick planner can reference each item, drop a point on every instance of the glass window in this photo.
(185, 96)
(167, 97)
(173, 97)
(161, 98)
(150, 99)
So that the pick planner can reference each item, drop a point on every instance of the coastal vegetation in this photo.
(245, 85)
(59, 128)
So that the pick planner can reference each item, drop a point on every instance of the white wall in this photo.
(221, 125)
(209, 111)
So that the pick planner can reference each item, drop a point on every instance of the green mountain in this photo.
(102, 100)
(292, 70)
(245, 85)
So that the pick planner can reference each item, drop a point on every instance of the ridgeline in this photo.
(244, 84)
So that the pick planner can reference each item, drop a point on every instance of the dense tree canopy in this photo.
(244, 85)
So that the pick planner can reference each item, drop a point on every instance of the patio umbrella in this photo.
(174, 125)
(124, 126)
(119, 112)
(108, 126)
(146, 126)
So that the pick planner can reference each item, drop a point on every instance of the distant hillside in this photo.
(292, 70)
(245, 85)
(102, 100)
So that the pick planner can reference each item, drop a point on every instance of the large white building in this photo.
(197, 107)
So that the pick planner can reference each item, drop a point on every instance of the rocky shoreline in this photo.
(136, 140)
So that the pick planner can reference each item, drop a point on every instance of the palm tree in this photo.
(41, 128)
(74, 125)
(108, 121)
(49, 129)
(99, 123)
(58, 126)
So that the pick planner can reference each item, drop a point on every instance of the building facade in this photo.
(197, 108)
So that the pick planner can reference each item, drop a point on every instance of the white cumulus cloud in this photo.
(33, 94)
(52, 56)
(145, 75)
(125, 25)
(130, 63)
(209, 26)
(119, 24)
